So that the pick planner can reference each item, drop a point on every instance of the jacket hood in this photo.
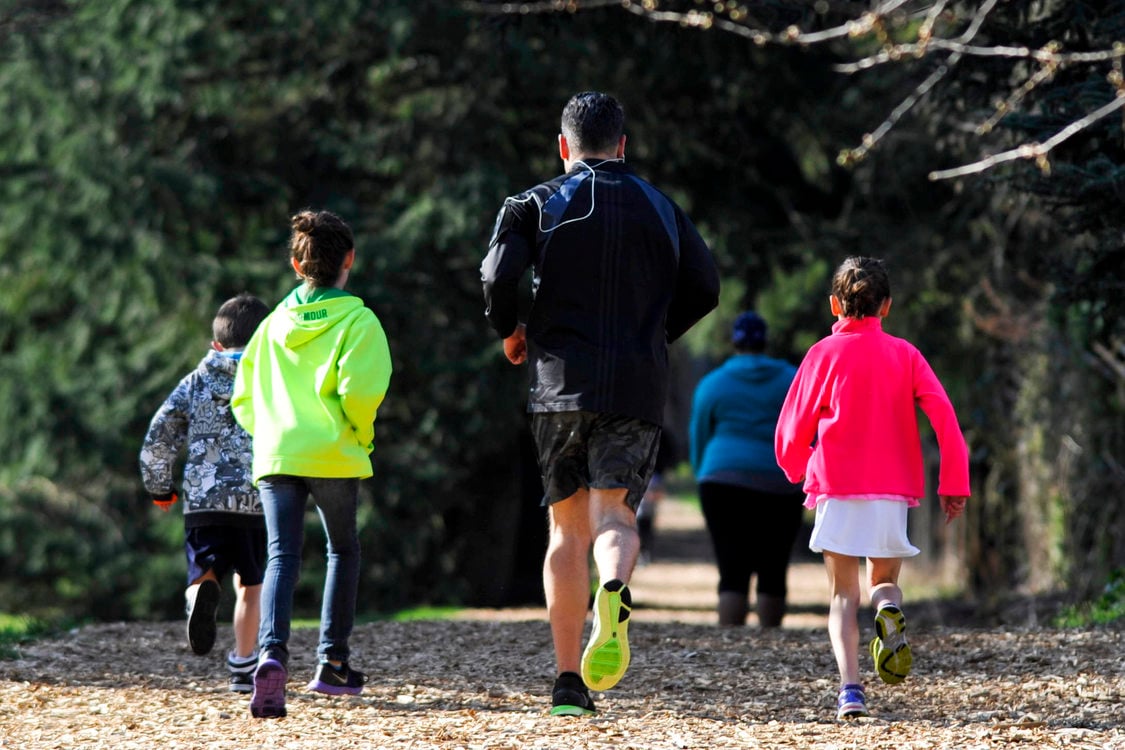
(755, 369)
(302, 322)
(217, 370)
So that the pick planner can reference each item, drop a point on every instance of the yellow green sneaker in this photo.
(607, 654)
(890, 649)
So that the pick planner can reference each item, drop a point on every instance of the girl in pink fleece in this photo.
(849, 430)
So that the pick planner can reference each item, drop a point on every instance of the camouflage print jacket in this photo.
(217, 486)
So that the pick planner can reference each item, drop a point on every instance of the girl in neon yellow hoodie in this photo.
(308, 388)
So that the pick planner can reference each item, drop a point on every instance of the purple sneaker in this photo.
(339, 680)
(268, 700)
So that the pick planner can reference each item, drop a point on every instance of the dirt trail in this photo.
(681, 582)
(483, 682)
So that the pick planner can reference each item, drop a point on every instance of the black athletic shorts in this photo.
(226, 548)
(590, 450)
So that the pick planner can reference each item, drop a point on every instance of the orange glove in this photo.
(165, 501)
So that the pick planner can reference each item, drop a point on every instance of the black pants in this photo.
(752, 533)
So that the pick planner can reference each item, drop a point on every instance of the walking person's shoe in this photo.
(851, 702)
(570, 697)
(607, 654)
(268, 700)
(341, 680)
(890, 650)
(241, 672)
(201, 610)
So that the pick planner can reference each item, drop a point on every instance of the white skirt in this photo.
(862, 528)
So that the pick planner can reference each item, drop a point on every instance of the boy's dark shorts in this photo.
(583, 450)
(226, 548)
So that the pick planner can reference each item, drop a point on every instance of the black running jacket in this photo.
(619, 272)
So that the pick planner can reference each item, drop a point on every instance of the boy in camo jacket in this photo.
(223, 521)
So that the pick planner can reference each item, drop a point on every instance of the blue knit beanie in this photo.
(749, 331)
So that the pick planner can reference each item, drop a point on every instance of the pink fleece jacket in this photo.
(849, 424)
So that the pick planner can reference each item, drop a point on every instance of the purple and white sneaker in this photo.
(268, 700)
(340, 680)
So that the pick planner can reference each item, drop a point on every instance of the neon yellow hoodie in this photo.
(309, 384)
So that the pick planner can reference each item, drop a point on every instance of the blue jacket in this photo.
(733, 418)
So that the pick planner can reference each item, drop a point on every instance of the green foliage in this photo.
(420, 614)
(151, 154)
(16, 630)
(63, 554)
(796, 304)
(1107, 608)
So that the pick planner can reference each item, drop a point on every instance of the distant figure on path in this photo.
(224, 530)
(619, 271)
(310, 383)
(654, 495)
(753, 512)
(849, 430)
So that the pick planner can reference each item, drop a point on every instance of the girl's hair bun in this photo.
(304, 222)
(861, 285)
(320, 243)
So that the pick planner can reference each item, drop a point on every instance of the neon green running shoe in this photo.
(569, 697)
(890, 649)
(607, 654)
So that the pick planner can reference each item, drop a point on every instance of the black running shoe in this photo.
(340, 680)
(570, 697)
(241, 672)
(201, 617)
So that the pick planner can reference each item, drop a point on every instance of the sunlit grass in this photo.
(412, 614)
(1108, 607)
(19, 629)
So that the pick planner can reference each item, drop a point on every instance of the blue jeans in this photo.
(284, 499)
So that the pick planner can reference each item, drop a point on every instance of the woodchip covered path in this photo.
(483, 681)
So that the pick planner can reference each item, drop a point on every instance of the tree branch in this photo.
(1037, 151)
(734, 18)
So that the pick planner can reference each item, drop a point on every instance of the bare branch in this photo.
(850, 157)
(1048, 54)
(736, 20)
(871, 139)
(1037, 151)
(868, 23)
(1117, 366)
(542, 6)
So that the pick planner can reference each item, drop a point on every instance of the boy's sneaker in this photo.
(201, 611)
(570, 697)
(890, 649)
(607, 654)
(241, 672)
(851, 702)
(339, 680)
(268, 700)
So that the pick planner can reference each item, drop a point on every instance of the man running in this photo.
(619, 272)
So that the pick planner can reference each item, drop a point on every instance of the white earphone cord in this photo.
(539, 206)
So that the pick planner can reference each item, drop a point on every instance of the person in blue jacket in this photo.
(753, 513)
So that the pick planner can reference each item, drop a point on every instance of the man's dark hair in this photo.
(237, 319)
(593, 122)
